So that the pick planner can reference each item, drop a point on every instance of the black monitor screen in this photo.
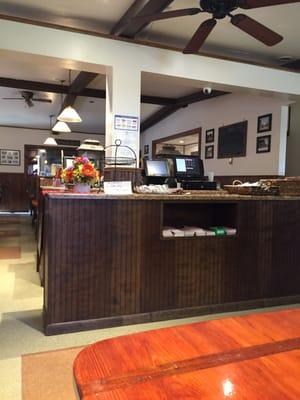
(157, 168)
(188, 166)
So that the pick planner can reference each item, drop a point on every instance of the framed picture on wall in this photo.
(10, 157)
(264, 123)
(209, 152)
(263, 144)
(210, 136)
(146, 149)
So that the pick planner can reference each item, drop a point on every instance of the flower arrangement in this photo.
(82, 171)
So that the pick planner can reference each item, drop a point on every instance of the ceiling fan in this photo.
(220, 9)
(28, 98)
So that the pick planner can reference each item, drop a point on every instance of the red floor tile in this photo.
(8, 253)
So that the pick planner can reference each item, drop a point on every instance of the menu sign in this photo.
(126, 123)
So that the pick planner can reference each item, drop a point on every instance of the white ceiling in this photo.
(102, 15)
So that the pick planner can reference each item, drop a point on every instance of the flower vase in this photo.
(82, 188)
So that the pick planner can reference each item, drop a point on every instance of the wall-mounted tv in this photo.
(232, 140)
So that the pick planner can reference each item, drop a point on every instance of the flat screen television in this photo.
(157, 168)
(232, 140)
(188, 167)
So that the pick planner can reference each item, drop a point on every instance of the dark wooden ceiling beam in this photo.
(130, 28)
(158, 116)
(181, 102)
(77, 86)
(64, 89)
(132, 11)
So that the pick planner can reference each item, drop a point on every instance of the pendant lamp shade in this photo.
(61, 126)
(50, 141)
(69, 114)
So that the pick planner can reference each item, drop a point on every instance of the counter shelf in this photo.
(203, 215)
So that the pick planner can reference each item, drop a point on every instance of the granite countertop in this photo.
(187, 195)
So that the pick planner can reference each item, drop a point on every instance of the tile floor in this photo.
(21, 299)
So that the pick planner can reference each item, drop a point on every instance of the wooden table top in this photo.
(250, 357)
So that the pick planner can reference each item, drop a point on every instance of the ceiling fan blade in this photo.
(166, 15)
(200, 36)
(247, 4)
(43, 100)
(12, 98)
(256, 29)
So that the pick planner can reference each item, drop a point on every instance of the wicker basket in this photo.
(286, 186)
(252, 190)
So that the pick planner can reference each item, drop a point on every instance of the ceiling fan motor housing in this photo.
(218, 8)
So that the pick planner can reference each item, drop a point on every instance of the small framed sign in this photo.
(10, 157)
(263, 144)
(209, 152)
(210, 136)
(264, 123)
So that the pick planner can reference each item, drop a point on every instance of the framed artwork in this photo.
(209, 152)
(146, 149)
(10, 157)
(263, 144)
(210, 136)
(264, 123)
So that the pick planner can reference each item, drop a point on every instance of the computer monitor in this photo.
(157, 168)
(188, 167)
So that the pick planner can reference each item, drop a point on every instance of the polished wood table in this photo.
(250, 357)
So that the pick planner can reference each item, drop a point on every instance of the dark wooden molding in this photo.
(132, 11)
(295, 65)
(77, 86)
(159, 116)
(66, 89)
(177, 136)
(181, 102)
(72, 28)
(199, 96)
(47, 130)
(130, 28)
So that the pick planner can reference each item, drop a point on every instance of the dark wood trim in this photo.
(177, 136)
(129, 27)
(181, 102)
(66, 89)
(77, 86)
(132, 11)
(44, 129)
(155, 316)
(158, 116)
(70, 28)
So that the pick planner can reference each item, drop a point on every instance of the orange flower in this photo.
(88, 170)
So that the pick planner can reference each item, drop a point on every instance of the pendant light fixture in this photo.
(50, 141)
(69, 114)
(60, 126)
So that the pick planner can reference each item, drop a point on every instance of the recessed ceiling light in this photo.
(181, 141)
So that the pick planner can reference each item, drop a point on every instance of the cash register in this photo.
(189, 171)
(185, 169)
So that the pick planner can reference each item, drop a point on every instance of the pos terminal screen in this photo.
(157, 168)
(188, 166)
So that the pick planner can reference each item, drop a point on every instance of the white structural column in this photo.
(123, 103)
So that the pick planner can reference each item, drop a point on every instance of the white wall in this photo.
(293, 142)
(16, 138)
(227, 110)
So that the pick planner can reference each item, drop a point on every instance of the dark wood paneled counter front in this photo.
(106, 262)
